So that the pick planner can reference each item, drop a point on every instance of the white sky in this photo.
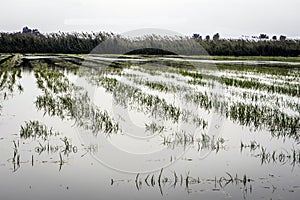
(231, 18)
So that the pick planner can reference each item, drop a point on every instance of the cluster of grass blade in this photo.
(275, 100)
(80, 109)
(11, 61)
(283, 71)
(9, 81)
(35, 129)
(253, 146)
(16, 159)
(173, 180)
(67, 147)
(192, 74)
(278, 123)
(178, 138)
(128, 95)
(90, 117)
(200, 122)
(159, 85)
(274, 120)
(289, 90)
(169, 73)
(177, 64)
(203, 100)
(154, 128)
(291, 157)
(257, 58)
(202, 142)
(62, 98)
(51, 80)
(195, 81)
(4, 58)
(207, 142)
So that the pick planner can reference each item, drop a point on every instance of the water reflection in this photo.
(167, 181)
(150, 91)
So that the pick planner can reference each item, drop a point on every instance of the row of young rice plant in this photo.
(251, 112)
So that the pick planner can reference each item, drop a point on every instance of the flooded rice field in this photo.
(129, 127)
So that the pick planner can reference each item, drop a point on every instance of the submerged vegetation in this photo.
(68, 100)
(34, 129)
(170, 180)
(175, 108)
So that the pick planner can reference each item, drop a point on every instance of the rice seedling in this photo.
(291, 157)
(154, 128)
(250, 101)
(9, 82)
(16, 156)
(194, 75)
(35, 130)
(253, 146)
(202, 142)
(293, 91)
(11, 61)
(67, 147)
(127, 95)
(51, 80)
(165, 180)
(46, 148)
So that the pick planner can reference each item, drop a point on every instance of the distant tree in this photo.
(207, 38)
(274, 37)
(27, 30)
(196, 35)
(263, 36)
(35, 32)
(282, 38)
(216, 37)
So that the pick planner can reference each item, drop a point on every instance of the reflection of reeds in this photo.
(66, 148)
(202, 142)
(16, 156)
(162, 180)
(51, 80)
(59, 100)
(79, 109)
(34, 129)
(154, 128)
(127, 95)
(244, 113)
(291, 157)
(277, 122)
(9, 82)
(253, 146)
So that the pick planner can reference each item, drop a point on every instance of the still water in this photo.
(145, 130)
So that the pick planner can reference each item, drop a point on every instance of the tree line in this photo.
(82, 43)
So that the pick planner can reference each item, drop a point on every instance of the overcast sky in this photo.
(231, 18)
